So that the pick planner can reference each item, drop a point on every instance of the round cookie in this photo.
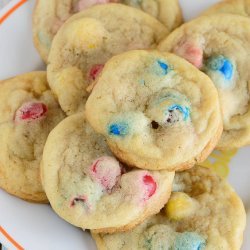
(156, 110)
(90, 189)
(49, 16)
(203, 212)
(219, 45)
(78, 54)
(238, 7)
(28, 112)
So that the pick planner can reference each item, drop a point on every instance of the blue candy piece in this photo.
(118, 129)
(163, 66)
(222, 64)
(183, 109)
(227, 69)
(189, 241)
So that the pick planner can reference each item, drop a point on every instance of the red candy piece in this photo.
(31, 111)
(150, 186)
(106, 170)
(95, 71)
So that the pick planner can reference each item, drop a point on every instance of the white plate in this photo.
(36, 227)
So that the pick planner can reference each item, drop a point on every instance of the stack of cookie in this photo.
(126, 105)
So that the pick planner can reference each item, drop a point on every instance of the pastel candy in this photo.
(182, 109)
(189, 241)
(221, 64)
(150, 186)
(164, 67)
(158, 237)
(95, 71)
(180, 206)
(162, 236)
(118, 129)
(106, 170)
(30, 111)
(192, 52)
(168, 109)
(140, 185)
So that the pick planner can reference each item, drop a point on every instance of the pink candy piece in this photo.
(139, 185)
(95, 71)
(30, 111)
(83, 4)
(191, 52)
(150, 186)
(106, 170)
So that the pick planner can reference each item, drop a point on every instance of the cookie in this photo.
(238, 7)
(156, 110)
(28, 112)
(78, 54)
(203, 212)
(90, 188)
(219, 46)
(49, 16)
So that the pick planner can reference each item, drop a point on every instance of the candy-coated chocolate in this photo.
(106, 170)
(95, 71)
(30, 111)
(221, 64)
(189, 241)
(118, 129)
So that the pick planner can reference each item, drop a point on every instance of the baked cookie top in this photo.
(90, 189)
(238, 7)
(28, 112)
(87, 40)
(156, 110)
(219, 45)
(49, 16)
(203, 212)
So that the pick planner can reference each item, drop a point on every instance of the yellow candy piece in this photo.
(180, 206)
(92, 46)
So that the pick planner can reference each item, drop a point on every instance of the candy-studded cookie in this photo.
(84, 44)
(88, 187)
(203, 213)
(49, 16)
(28, 112)
(219, 45)
(238, 7)
(156, 110)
